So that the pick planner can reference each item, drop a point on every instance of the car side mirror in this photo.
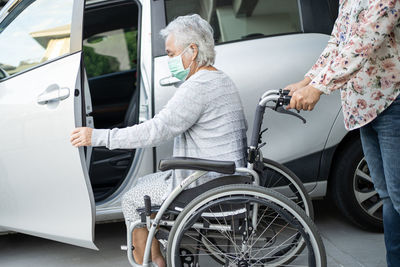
(167, 81)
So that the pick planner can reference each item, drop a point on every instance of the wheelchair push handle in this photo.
(280, 98)
(284, 100)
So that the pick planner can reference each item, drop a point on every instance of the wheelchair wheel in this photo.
(221, 228)
(276, 176)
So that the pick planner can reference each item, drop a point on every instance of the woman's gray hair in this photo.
(192, 29)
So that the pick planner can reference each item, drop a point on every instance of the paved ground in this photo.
(346, 246)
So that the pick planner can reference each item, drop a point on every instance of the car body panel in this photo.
(338, 131)
(43, 190)
(264, 64)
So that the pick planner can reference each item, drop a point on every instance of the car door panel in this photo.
(264, 64)
(44, 187)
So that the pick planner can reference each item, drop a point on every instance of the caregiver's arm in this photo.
(326, 56)
(329, 53)
(379, 21)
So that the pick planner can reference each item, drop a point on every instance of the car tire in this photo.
(352, 190)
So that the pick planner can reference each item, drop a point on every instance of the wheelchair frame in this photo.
(152, 224)
(281, 99)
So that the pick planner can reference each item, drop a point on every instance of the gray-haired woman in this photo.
(205, 116)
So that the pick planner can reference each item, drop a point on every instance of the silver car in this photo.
(67, 63)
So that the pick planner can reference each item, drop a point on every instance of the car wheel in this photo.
(352, 189)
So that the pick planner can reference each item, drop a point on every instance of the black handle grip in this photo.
(258, 119)
(147, 205)
(286, 100)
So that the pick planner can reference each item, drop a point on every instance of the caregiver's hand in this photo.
(305, 98)
(296, 86)
(81, 136)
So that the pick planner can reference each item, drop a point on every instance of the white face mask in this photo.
(176, 67)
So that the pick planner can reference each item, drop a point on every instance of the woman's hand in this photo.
(296, 86)
(305, 98)
(81, 136)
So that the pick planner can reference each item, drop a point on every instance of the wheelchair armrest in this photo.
(226, 167)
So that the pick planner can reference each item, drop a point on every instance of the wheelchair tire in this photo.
(277, 212)
(274, 172)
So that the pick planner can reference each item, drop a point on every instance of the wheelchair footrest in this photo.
(162, 234)
(142, 212)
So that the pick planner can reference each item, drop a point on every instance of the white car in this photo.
(66, 64)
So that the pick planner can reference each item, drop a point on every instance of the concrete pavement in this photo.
(346, 245)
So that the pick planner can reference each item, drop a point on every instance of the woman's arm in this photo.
(326, 56)
(180, 113)
(329, 52)
(375, 25)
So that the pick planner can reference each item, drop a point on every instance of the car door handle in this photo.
(53, 94)
(167, 81)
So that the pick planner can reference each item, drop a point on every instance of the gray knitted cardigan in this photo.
(205, 116)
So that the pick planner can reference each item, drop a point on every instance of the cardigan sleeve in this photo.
(181, 112)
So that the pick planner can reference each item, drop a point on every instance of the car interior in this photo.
(110, 59)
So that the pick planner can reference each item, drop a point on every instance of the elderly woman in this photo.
(205, 116)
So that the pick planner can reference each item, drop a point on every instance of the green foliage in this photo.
(97, 65)
(131, 40)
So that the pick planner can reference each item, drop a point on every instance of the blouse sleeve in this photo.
(376, 23)
(181, 112)
(329, 52)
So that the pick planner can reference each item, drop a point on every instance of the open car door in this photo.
(44, 186)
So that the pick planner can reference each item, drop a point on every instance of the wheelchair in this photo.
(232, 220)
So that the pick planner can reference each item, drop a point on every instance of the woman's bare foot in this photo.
(159, 261)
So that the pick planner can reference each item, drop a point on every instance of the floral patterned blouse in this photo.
(362, 59)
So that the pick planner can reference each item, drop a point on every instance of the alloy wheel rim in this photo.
(364, 191)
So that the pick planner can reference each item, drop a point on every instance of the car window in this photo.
(111, 51)
(241, 19)
(33, 33)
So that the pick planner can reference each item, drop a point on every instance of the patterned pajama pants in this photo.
(155, 185)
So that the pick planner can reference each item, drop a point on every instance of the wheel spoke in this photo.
(375, 207)
(209, 241)
(266, 228)
(362, 196)
(223, 233)
(363, 175)
(290, 237)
